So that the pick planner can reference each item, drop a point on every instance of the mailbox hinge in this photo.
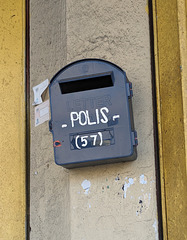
(129, 89)
(134, 138)
(50, 126)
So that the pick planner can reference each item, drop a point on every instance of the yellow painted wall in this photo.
(12, 120)
(182, 19)
(170, 58)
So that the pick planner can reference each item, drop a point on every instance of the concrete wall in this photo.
(121, 200)
(49, 183)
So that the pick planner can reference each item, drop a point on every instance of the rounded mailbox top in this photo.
(85, 67)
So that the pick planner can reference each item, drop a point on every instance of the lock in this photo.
(91, 114)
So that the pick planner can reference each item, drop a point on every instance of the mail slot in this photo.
(91, 114)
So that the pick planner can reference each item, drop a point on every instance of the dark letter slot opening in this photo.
(86, 84)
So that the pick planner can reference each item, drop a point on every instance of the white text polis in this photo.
(83, 117)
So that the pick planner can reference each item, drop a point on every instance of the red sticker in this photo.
(57, 144)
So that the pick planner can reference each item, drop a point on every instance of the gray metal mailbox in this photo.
(91, 114)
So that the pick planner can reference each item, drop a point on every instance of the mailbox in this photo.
(91, 114)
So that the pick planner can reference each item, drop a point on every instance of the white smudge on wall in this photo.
(143, 179)
(155, 226)
(127, 185)
(86, 186)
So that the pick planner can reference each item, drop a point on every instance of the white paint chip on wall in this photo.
(155, 226)
(127, 185)
(86, 186)
(143, 179)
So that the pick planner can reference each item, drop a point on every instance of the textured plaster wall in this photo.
(119, 201)
(112, 202)
(49, 183)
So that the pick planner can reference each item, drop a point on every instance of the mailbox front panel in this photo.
(91, 117)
